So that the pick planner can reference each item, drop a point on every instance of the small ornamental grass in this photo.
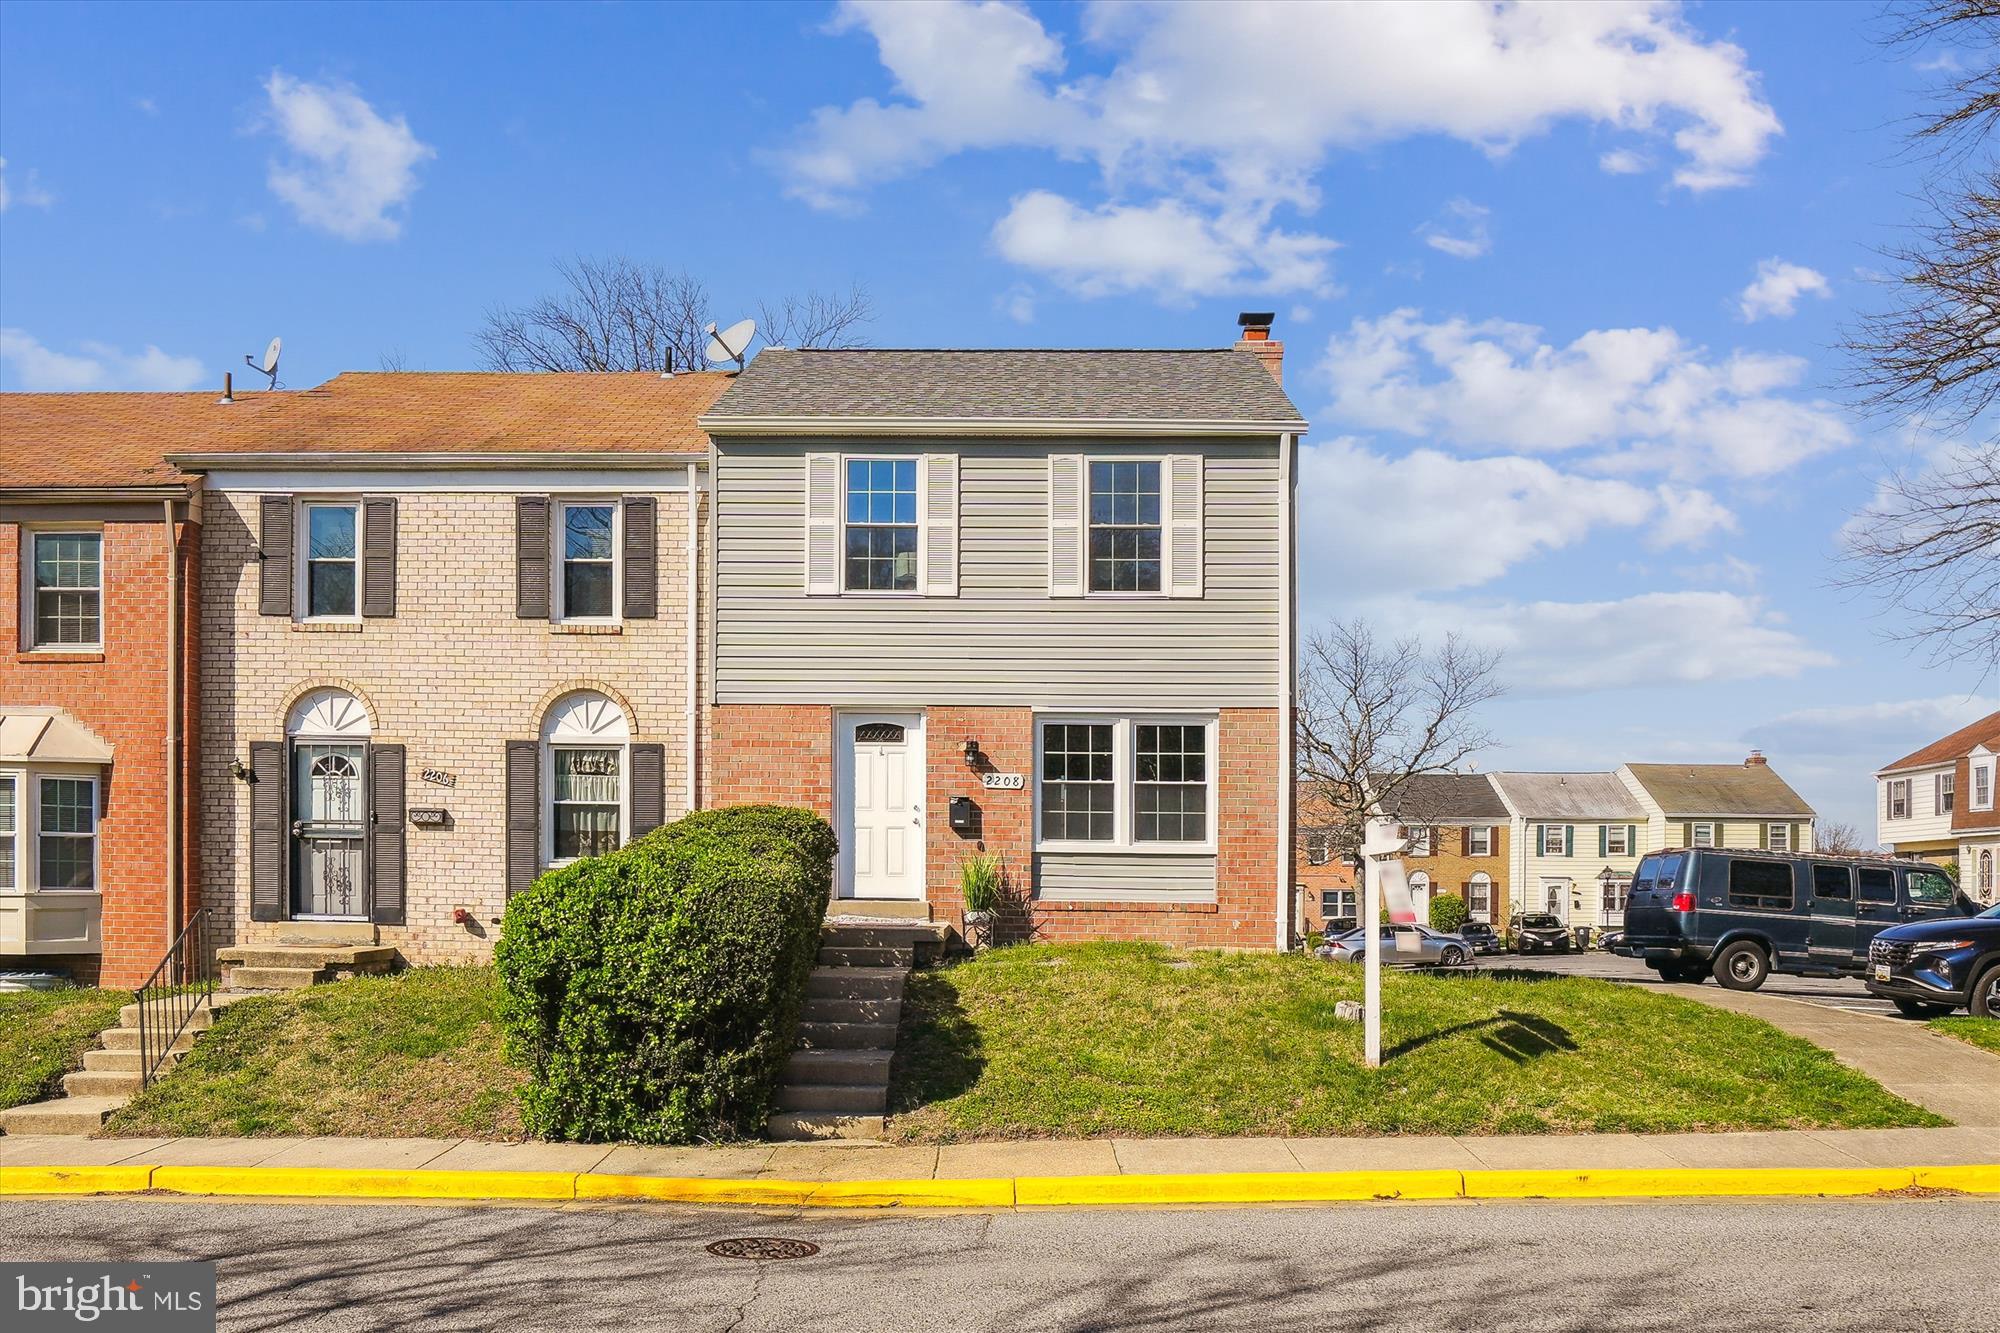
(653, 994)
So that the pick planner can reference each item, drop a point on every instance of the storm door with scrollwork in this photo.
(329, 831)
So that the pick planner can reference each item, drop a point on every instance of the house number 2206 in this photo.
(1003, 781)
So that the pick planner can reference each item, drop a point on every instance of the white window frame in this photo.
(922, 494)
(1319, 848)
(1944, 793)
(1773, 832)
(1615, 834)
(1483, 882)
(19, 779)
(96, 835)
(302, 563)
(1982, 769)
(1484, 844)
(30, 604)
(1123, 785)
(1421, 839)
(558, 534)
(621, 742)
(1348, 896)
(1899, 795)
(1165, 465)
(1618, 891)
(1698, 838)
(1561, 832)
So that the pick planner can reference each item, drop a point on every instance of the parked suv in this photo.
(1538, 932)
(1742, 915)
(1933, 967)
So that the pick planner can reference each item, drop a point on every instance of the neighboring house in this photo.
(1940, 803)
(99, 537)
(1576, 838)
(1721, 805)
(1458, 841)
(1323, 878)
(449, 637)
(1036, 602)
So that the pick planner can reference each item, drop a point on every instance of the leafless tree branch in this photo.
(817, 319)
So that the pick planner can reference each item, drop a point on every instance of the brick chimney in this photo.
(1256, 339)
(1756, 760)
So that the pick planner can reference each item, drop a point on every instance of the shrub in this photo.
(653, 994)
(1447, 912)
(981, 877)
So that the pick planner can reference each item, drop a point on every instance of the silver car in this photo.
(1434, 948)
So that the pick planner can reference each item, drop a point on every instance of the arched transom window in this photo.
(586, 776)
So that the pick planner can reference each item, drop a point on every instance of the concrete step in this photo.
(847, 1036)
(124, 1061)
(271, 978)
(127, 1039)
(198, 1021)
(841, 1010)
(838, 1098)
(794, 1126)
(876, 909)
(856, 983)
(844, 957)
(64, 1115)
(876, 935)
(845, 1067)
(101, 1083)
(353, 957)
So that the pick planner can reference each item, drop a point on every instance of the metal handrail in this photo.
(183, 982)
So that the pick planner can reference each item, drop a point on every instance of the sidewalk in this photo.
(1112, 1171)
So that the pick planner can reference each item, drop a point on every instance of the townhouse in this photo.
(449, 637)
(1323, 883)
(1721, 805)
(1458, 840)
(1938, 803)
(1037, 603)
(1576, 839)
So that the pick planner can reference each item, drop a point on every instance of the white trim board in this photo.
(653, 477)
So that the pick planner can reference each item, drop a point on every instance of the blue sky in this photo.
(1558, 286)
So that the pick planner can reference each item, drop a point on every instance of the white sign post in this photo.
(1381, 874)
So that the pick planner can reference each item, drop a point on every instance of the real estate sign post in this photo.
(1381, 874)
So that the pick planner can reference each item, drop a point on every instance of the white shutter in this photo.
(822, 525)
(1183, 524)
(938, 541)
(1065, 525)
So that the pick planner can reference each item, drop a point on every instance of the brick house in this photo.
(1038, 603)
(449, 636)
(1458, 834)
(1940, 803)
(101, 541)
(1322, 878)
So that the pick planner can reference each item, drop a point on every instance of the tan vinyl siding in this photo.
(1003, 640)
(1114, 876)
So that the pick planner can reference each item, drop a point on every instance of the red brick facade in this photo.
(120, 695)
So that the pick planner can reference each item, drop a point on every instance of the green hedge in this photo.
(1447, 912)
(653, 994)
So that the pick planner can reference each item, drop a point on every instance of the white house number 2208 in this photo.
(1003, 781)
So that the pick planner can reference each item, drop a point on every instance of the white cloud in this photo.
(1637, 399)
(1777, 288)
(28, 192)
(1017, 304)
(1165, 248)
(1624, 162)
(1229, 111)
(1463, 233)
(349, 169)
(1883, 730)
(1687, 518)
(99, 366)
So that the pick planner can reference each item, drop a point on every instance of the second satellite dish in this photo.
(269, 365)
(732, 342)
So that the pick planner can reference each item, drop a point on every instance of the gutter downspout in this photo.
(173, 785)
(693, 639)
(1288, 684)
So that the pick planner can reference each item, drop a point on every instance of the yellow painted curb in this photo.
(994, 1193)
(74, 1179)
(365, 1183)
(1684, 1182)
(1235, 1187)
(1971, 1179)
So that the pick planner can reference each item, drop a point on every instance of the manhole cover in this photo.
(763, 1247)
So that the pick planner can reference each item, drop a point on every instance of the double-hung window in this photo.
(589, 551)
(10, 833)
(1899, 798)
(1126, 782)
(1479, 840)
(1982, 784)
(587, 801)
(881, 509)
(1479, 895)
(1125, 526)
(1555, 840)
(331, 570)
(1945, 793)
(1778, 837)
(65, 573)
(1701, 835)
(1616, 843)
(1418, 837)
(1336, 904)
(1319, 848)
(66, 833)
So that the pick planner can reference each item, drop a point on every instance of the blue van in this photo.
(1741, 915)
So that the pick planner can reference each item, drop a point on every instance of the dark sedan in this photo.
(1482, 937)
(1934, 967)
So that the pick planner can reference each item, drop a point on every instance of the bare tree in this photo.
(824, 320)
(393, 361)
(620, 314)
(1372, 715)
(1836, 837)
(1929, 545)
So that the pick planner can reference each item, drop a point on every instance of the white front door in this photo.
(881, 805)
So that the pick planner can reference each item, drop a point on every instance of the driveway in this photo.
(1834, 993)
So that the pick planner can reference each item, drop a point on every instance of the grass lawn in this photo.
(1979, 1031)
(43, 1035)
(417, 1054)
(1133, 1039)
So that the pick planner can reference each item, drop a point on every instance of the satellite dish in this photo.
(732, 342)
(269, 365)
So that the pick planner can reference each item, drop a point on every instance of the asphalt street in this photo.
(1834, 993)
(1882, 1265)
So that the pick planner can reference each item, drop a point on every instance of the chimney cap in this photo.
(1756, 760)
(1256, 319)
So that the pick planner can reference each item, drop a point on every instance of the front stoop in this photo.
(837, 1081)
(296, 966)
(109, 1078)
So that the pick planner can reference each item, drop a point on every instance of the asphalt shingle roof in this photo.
(995, 385)
(1720, 789)
(1569, 795)
(1448, 796)
(1986, 731)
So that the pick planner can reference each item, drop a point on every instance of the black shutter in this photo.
(531, 557)
(642, 558)
(649, 788)
(270, 831)
(524, 811)
(378, 556)
(387, 834)
(274, 547)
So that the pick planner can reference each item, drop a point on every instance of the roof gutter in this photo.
(990, 426)
(348, 460)
(174, 490)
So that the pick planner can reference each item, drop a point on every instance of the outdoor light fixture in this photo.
(241, 771)
(461, 917)
(971, 752)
